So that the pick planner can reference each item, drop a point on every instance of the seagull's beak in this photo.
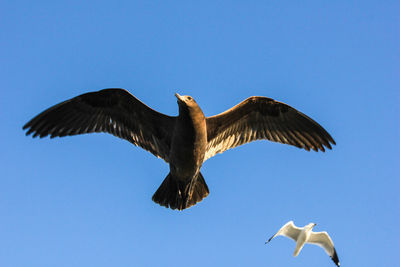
(179, 97)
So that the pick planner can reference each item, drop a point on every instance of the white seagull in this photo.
(305, 235)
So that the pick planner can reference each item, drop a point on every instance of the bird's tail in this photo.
(298, 248)
(177, 195)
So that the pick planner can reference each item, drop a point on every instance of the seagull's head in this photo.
(185, 100)
(311, 225)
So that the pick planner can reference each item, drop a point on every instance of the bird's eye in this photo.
(190, 98)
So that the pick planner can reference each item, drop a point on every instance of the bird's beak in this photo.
(179, 97)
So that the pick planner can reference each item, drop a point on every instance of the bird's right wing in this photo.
(289, 230)
(114, 111)
(323, 240)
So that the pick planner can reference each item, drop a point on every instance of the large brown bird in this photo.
(185, 141)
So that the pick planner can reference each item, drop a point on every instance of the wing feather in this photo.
(323, 240)
(264, 118)
(288, 230)
(113, 111)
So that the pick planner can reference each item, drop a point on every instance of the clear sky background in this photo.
(86, 200)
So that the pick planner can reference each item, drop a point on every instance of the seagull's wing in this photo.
(114, 111)
(323, 240)
(289, 230)
(264, 118)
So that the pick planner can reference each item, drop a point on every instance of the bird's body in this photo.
(302, 238)
(303, 235)
(186, 157)
(189, 144)
(185, 141)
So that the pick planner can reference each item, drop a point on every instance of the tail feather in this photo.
(177, 195)
(298, 248)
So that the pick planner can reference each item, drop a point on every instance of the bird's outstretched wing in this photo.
(323, 240)
(288, 230)
(264, 118)
(114, 111)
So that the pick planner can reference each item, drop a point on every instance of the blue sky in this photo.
(86, 200)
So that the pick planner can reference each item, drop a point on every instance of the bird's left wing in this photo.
(264, 118)
(114, 111)
(323, 240)
(288, 230)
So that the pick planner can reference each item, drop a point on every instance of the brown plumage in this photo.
(185, 141)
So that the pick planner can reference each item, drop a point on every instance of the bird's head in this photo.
(185, 100)
(311, 225)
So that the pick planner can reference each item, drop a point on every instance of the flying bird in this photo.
(185, 141)
(305, 235)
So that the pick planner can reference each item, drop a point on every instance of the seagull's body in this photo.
(185, 141)
(303, 235)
